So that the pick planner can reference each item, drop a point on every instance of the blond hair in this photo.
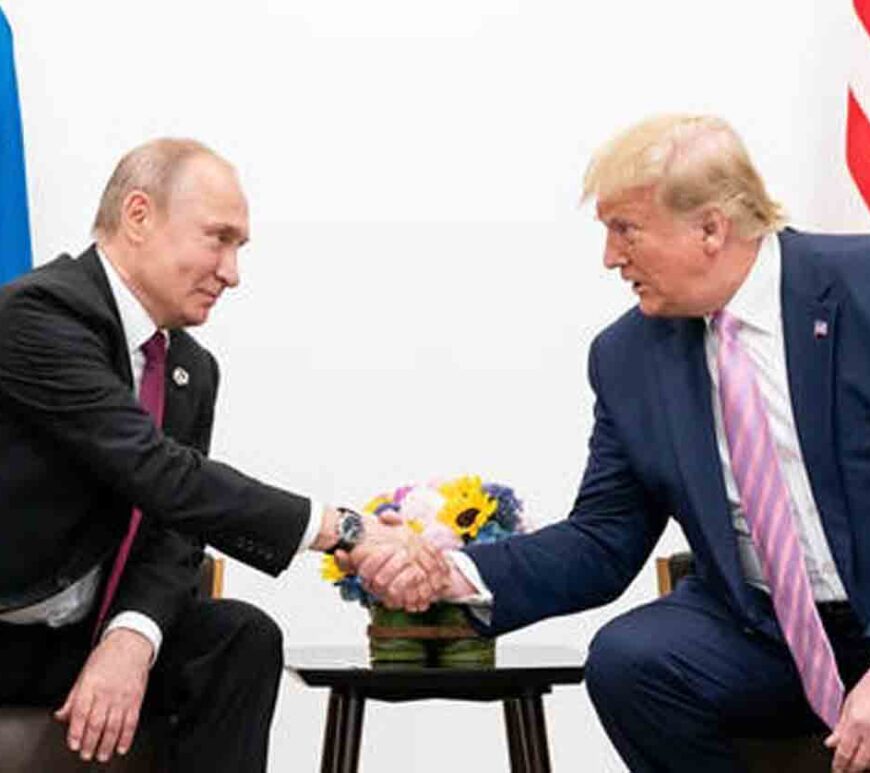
(690, 161)
(152, 168)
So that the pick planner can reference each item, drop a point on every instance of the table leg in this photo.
(327, 758)
(517, 748)
(527, 734)
(341, 740)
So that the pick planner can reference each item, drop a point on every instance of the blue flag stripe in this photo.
(15, 255)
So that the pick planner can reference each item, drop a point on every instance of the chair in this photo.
(797, 754)
(31, 741)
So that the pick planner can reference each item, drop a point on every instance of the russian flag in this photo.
(14, 224)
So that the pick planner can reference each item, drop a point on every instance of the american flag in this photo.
(857, 123)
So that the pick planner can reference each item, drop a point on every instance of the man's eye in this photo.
(626, 231)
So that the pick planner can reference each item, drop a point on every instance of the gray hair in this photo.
(152, 168)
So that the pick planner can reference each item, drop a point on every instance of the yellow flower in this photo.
(330, 570)
(468, 506)
(381, 499)
(415, 525)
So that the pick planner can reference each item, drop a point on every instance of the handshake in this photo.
(403, 568)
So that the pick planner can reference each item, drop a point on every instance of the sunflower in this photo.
(330, 570)
(468, 506)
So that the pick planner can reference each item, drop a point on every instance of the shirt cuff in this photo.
(142, 624)
(480, 602)
(315, 521)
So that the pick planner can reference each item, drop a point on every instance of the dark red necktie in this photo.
(151, 397)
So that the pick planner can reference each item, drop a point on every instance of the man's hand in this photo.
(851, 736)
(397, 565)
(102, 708)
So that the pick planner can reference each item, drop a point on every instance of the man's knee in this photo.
(257, 634)
(622, 660)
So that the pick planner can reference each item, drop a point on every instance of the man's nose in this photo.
(614, 257)
(228, 269)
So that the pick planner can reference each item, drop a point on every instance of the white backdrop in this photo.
(421, 288)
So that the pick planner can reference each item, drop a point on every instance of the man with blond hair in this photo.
(108, 499)
(734, 398)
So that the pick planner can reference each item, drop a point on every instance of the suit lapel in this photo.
(809, 320)
(686, 392)
(180, 394)
(180, 387)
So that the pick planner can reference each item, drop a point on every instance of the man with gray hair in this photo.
(107, 500)
(734, 398)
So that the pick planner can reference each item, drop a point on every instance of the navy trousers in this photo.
(675, 680)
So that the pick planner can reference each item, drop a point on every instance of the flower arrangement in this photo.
(449, 513)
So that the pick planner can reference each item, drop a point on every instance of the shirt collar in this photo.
(137, 325)
(756, 302)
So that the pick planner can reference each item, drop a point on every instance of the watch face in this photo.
(350, 527)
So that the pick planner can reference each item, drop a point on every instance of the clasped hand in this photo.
(397, 565)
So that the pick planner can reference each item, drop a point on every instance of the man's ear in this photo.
(714, 227)
(137, 216)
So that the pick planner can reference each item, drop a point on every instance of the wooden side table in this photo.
(519, 678)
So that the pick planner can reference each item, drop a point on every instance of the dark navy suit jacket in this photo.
(653, 454)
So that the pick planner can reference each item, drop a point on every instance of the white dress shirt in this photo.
(75, 602)
(758, 306)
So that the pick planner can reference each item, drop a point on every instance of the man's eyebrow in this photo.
(225, 229)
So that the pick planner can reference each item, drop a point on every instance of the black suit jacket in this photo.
(77, 452)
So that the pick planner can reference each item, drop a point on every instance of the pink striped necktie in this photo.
(151, 397)
(768, 509)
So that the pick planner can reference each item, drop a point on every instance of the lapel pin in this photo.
(820, 328)
(182, 378)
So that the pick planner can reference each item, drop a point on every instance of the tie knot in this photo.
(725, 324)
(154, 349)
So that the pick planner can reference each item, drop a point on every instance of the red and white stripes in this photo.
(857, 121)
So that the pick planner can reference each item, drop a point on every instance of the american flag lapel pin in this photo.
(820, 328)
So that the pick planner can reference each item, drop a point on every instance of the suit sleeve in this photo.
(589, 558)
(55, 372)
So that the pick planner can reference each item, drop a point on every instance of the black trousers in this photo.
(676, 680)
(215, 680)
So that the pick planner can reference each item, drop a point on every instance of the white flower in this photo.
(423, 504)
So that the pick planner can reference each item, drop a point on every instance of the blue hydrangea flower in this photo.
(493, 531)
(352, 590)
(509, 506)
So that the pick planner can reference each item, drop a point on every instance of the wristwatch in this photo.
(349, 529)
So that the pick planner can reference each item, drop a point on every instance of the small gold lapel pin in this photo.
(180, 376)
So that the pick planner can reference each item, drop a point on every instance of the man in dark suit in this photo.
(734, 398)
(82, 622)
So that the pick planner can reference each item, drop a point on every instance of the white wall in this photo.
(421, 288)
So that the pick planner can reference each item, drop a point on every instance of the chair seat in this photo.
(801, 754)
(32, 740)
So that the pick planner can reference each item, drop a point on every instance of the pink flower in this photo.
(401, 493)
(442, 536)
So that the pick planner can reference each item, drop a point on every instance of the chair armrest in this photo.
(671, 569)
(211, 577)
